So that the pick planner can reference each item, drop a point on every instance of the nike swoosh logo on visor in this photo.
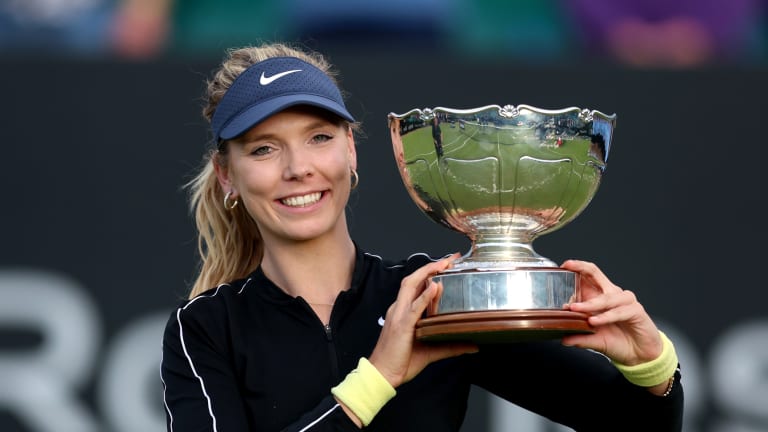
(264, 80)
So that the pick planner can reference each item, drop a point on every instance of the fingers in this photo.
(625, 313)
(623, 330)
(604, 302)
(609, 308)
(417, 291)
(446, 350)
(591, 274)
(413, 284)
(422, 301)
(405, 313)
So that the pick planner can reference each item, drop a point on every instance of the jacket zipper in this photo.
(330, 342)
(332, 351)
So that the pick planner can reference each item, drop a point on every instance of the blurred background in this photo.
(101, 127)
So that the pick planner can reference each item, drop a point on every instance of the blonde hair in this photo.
(229, 242)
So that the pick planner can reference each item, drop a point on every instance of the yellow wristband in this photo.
(364, 391)
(654, 372)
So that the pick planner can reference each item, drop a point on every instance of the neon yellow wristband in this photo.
(654, 372)
(364, 391)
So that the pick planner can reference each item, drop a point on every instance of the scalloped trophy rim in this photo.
(510, 110)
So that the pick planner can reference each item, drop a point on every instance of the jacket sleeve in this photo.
(575, 387)
(200, 388)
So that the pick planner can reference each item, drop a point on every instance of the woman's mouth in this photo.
(302, 200)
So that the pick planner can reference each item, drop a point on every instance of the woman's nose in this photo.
(298, 164)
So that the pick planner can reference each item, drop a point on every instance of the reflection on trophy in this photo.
(502, 176)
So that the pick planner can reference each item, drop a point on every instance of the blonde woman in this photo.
(290, 326)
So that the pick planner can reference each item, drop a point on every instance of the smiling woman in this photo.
(292, 172)
(239, 97)
(290, 326)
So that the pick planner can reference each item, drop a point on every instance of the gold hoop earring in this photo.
(355, 179)
(230, 205)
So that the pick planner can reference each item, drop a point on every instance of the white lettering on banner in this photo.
(130, 390)
(739, 371)
(41, 386)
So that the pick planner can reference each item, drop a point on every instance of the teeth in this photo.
(302, 201)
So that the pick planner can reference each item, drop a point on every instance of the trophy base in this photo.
(516, 304)
(502, 326)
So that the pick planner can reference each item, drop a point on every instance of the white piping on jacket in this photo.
(320, 418)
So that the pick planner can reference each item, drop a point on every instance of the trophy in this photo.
(502, 176)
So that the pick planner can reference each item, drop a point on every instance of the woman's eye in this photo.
(261, 151)
(321, 138)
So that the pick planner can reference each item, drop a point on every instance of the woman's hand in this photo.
(623, 330)
(398, 355)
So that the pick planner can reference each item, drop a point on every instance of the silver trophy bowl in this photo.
(502, 176)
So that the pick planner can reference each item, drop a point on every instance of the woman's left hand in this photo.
(623, 329)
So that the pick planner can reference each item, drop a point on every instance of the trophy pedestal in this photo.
(488, 306)
(502, 326)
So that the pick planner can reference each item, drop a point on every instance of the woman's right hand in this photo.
(398, 356)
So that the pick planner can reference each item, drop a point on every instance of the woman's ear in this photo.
(223, 173)
(352, 149)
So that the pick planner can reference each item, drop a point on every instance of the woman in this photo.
(290, 326)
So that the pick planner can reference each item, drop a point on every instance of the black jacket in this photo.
(248, 357)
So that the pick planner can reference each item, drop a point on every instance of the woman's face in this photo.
(292, 173)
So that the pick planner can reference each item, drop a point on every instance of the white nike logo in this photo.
(381, 321)
(264, 80)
